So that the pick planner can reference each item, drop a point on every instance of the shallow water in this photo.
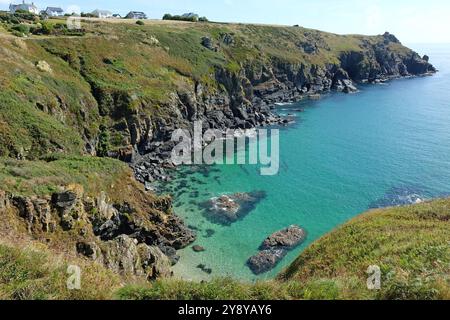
(387, 144)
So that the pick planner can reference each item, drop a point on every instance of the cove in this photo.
(386, 145)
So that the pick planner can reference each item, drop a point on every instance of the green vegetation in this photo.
(35, 273)
(44, 177)
(24, 24)
(409, 244)
(190, 18)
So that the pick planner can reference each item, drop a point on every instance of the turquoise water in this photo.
(344, 153)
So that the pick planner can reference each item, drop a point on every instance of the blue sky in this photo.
(413, 21)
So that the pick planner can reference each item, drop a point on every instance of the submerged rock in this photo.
(197, 248)
(275, 248)
(228, 209)
(400, 196)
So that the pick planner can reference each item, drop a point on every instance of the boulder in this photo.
(43, 66)
(208, 43)
(288, 238)
(154, 262)
(275, 248)
(64, 200)
(349, 87)
(265, 260)
(197, 248)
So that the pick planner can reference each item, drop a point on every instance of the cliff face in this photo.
(112, 222)
(120, 91)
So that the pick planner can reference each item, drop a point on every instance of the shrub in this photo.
(47, 28)
(140, 22)
(21, 28)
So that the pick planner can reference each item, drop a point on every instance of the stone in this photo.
(64, 200)
(208, 43)
(121, 255)
(288, 238)
(265, 260)
(275, 248)
(90, 250)
(43, 66)
(155, 263)
(197, 248)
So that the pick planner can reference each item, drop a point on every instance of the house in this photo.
(136, 15)
(103, 14)
(190, 15)
(117, 16)
(31, 8)
(54, 12)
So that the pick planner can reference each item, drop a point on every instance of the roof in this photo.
(23, 6)
(136, 12)
(54, 9)
(189, 15)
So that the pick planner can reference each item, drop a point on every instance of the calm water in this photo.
(345, 154)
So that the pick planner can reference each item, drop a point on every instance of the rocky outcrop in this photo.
(126, 239)
(275, 248)
(227, 209)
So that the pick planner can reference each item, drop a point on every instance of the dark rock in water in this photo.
(400, 196)
(209, 233)
(197, 248)
(275, 248)
(204, 268)
(228, 209)
(288, 238)
(266, 260)
(193, 228)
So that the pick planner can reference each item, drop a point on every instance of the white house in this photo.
(31, 8)
(54, 12)
(103, 14)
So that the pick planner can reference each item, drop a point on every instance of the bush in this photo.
(168, 16)
(47, 28)
(21, 28)
(140, 22)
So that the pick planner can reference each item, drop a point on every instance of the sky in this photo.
(412, 21)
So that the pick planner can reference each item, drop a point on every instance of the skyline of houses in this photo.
(98, 13)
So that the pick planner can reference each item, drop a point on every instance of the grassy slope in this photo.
(32, 272)
(410, 244)
(44, 112)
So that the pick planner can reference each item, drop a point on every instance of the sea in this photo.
(387, 145)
